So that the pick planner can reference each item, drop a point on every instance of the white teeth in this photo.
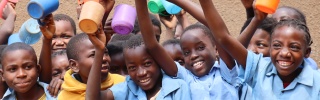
(285, 63)
(144, 80)
(198, 64)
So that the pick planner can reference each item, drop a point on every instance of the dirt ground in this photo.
(232, 12)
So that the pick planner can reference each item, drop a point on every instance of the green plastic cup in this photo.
(155, 6)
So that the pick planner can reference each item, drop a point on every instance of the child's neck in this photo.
(291, 77)
(3, 88)
(33, 94)
(152, 92)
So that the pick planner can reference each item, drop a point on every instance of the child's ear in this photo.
(308, 51)
(2, 79)
(217, 53)
(38, 68)
(73, 65)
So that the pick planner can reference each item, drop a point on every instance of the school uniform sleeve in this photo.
(119, 91)
(183, 73)
(253, 61)
(229, 75)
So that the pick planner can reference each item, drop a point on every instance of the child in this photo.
(117, 64)
(285, 75)
(21, 71)
(260, 41)
(3, 85)
(173, 48)
(65, 29)
(287, 12)
(146, 81)
(7, 27)
(81, 58)
(156, 27)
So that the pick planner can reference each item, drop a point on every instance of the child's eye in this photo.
(131, 68)
(91, 55)
(12, 69)
(261, 45)
(147, 64)
(186, 53)
(55, 74)
(295, 48)
(28, 67)
(201, 47)
(276, 46)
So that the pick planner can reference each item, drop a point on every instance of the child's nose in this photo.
(21, 73)
(141, 72)
(194, 55)
(285, 52)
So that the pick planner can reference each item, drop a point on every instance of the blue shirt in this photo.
(312, 63)
(216, 85)
(262, 76)
(172, 89)
(10, 94)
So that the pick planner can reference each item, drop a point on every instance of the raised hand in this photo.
(8, 9)
(169, 21)
(107, 27)
(49, 28)
(55, 86)
(98, 39)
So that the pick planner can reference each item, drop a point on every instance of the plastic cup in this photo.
(91, 16)
(170, 7)
(123, 19)
(30, 32)
(39, 9)
(14, 38)
(267, 6)
(155, 6)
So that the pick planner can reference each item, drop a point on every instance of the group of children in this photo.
(201, 61)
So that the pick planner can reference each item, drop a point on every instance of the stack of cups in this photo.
(267, 6)
(91, 16)
(30, 32)
(123, 19)
(39, 9)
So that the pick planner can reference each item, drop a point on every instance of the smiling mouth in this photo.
(144, 80)
(198, 64)
(22, 84)
(285, 63)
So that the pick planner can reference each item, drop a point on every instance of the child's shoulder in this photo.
(116, 78)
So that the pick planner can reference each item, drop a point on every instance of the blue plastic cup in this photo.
(14, 38)
(30, 32)
(39, 9)
(170, 7)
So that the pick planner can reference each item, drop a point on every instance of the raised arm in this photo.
(170, 22)
(196, 11)
(9, 16)
(45, 56)
(221, 33)
(183, 19)
(155, 49)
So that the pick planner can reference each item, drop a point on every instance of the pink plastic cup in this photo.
(123, 19)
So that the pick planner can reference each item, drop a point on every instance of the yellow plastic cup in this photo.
(267, 6)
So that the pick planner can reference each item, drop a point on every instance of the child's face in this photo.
(60, 64)
(143, 70)
(118, 65)
(288, 48)
(260, 43)
(175, 52)
(86, 59)
(284, 13)
(199, 53)
(20, 70)
(63, 34)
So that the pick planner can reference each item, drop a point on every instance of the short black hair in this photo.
(155, 21)
(74, 45)
(299, 13)
(268, 25)
(19, 46)
(205, 30)
(59, 17)
(59, 53)
(134, 41)
(297, 24)
(115, 47)
(171, 41)
(120, 37)
(1, 49)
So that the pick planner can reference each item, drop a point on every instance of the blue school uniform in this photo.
(216, 85)
(262, 81)
(312, 63)
(10, 94)
(172, 89)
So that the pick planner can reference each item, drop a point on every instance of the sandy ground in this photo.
(232, 12)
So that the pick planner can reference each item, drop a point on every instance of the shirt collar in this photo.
(213, 68)
(305, 77)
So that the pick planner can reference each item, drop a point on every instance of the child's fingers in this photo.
(57, 88)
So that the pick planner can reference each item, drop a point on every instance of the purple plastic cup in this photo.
(123, 19)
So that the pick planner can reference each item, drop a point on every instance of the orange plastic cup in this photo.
(267, 6)
(91, 16)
